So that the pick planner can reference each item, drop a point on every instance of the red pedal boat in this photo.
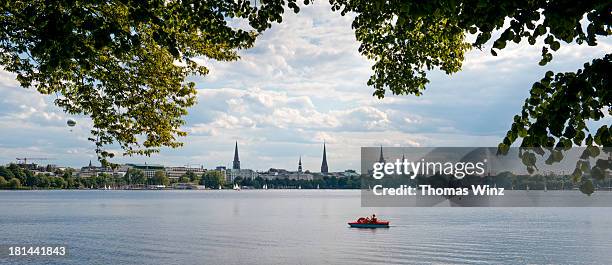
(364, 222)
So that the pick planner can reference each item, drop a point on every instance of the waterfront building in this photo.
(299, 176)
(273, 173)
(148, 169)
(279, 173)
(242, 173)
(94, 171)
(236, 171)
(177, 172)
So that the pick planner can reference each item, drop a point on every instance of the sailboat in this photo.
(317, 186)
(300, 187)
(265, 186)
(219, 186)
(236, 187)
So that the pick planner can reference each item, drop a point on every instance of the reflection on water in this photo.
(298, 226)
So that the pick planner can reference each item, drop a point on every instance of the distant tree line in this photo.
(15, 177)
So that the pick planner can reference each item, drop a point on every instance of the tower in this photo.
(381, 159)
(300, 165)
(236, 164)
(324, 168)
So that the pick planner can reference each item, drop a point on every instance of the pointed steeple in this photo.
(381, 158)
(236, 164)
(300, 165)
(90, 166)
(324, 168)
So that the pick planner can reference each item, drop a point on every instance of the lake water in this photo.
(295, 227)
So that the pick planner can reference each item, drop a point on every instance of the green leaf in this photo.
(587, 188)
(576, 175)
(598, 173)
(555, 45)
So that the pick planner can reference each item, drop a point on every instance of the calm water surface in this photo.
(295, 227)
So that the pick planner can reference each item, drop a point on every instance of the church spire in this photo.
(381, 159)
(236, 164)
(324, 168)
(300, 165)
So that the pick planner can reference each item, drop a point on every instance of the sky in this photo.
(304, 83)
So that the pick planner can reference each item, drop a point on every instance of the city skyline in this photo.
(235, 163)
(305, 82)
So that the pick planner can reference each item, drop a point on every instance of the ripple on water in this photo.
(304, 227)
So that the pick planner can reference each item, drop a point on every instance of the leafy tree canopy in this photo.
(124, 63)
(406, 38)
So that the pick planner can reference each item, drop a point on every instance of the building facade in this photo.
(232, 174)
(148, 169)
(177, 172)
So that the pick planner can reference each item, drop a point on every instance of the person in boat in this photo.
(373, 219)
